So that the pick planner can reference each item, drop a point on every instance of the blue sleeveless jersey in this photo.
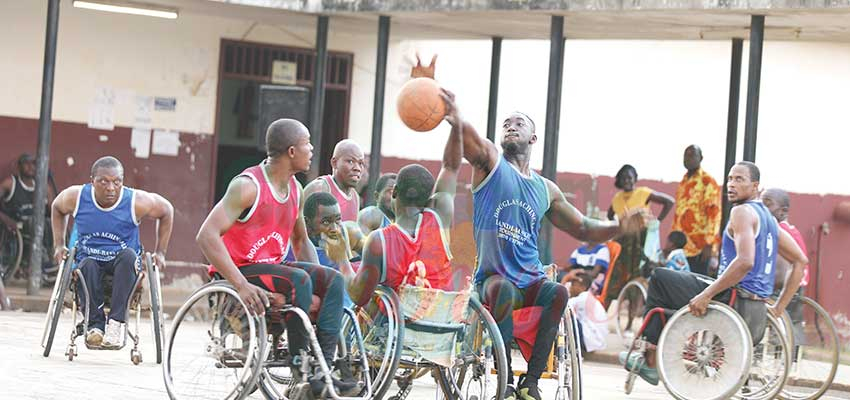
(508, 208)
(760, 279)
(103, 232)
(385, 222)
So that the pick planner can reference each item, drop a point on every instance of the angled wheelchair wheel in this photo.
(215, 348)
(382, 326)
(814, 360)
(11, 253)
(771, 362)
(480, 351)
(631, 303)
(57, 303)
(705, 358)
(155, 297)
(568, 352)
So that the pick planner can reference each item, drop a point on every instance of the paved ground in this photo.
(25, 374)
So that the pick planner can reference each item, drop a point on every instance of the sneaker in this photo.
(114, 337)
(527, 389)
(650, 375)
(94, 337)
(510, 392)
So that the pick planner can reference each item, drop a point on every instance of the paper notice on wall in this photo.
(143, 108)
(166, 143)
(140, 142)
(102, 110)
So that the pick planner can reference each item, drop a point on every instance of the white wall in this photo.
(643, 102)
(639, 102)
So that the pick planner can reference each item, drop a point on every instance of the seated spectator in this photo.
(674, 252)
(591, 316)
(591, 258)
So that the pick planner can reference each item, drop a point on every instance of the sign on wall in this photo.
(284, 72)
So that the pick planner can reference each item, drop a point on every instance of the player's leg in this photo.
(553, 298)
(502, 297)
(123, 269)
(92, 300)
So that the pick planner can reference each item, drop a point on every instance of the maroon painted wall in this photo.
(183, 179)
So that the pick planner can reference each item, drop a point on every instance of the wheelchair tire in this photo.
(779, 345)
(627, 328)
(569, 359)
(155, 293)
(382, 379)
(11, 253)
(705, 358)
(825, 333)
(445, 377)
(228, 311)
(57, 303)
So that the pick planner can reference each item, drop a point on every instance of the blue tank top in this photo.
(385, 222)
(103, 232)
(508, 208)
(760, 279)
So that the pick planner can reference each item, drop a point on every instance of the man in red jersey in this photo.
(246, 234)
(424, 209)
(348, 164)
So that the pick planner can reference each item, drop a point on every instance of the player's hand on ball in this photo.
(421, 71)
(452, 113)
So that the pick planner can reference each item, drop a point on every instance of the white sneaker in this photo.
(114, 337)
(94, 337)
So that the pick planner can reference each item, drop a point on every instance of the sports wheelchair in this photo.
(715, 356)
(68, 278)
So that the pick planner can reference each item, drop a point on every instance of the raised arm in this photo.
(567, 218)
(443, 199)
(302, 247)
(362, 285)
(665, 200)
(154, 206)
(789, 250)
(239, 197)
(64, 204)
(742, 226)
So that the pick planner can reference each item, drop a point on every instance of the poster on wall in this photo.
(284, 72)
(165, 142)
(102, 110)
(140, 142)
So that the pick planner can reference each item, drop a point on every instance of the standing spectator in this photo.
(698, 213)
(627, 199)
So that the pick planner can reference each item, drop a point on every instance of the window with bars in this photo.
(253, 61)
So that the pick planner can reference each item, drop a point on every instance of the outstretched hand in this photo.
(452, 112)
(420, 71)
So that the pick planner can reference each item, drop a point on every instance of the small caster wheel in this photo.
(301, 391)
(630, 383)
(135, 357)
(71, 353)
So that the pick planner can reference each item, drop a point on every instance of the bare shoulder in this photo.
(317, 185)
(7, 183)
(740, 217)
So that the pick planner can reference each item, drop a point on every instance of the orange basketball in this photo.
(419, 104)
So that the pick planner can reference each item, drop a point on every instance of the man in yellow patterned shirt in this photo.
(698, 213)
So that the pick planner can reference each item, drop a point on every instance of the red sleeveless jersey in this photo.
(427, 245)
(349, 206)
(263, 235)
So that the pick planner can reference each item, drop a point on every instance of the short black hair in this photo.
(755, 174)
(414, 185)
(383, 181)
(583, 278)
(106, 162)
(311, 205)
(621, 175)
(281, 135)
(678, 239)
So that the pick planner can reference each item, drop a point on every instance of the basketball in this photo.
(419, 104)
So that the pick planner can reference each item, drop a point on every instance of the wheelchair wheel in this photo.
(568, 352)
(771, 362)
(215, 348)
(11, 253)
(814, 360)
(480, 350)
(155, 294)
(382, 327)
(704, 358)
(57, 303)
(631, 303)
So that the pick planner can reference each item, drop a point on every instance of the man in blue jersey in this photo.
(750, 243)
(510, 201)
(107, 216)
(381, 214)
